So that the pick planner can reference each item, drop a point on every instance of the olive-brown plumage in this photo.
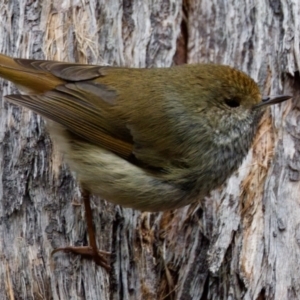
(151, 139)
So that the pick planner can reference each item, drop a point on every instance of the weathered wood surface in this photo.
(242, 242)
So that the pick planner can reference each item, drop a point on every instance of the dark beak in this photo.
(272, 100)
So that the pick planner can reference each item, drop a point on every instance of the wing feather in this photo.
(77, 116)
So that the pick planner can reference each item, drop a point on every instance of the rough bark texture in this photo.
(242, 242)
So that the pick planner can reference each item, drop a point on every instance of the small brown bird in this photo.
(150, 139)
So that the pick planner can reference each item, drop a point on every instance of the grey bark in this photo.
(241, 242)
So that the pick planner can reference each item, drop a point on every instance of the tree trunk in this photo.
(241, 242)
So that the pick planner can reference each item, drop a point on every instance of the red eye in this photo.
(232, 102)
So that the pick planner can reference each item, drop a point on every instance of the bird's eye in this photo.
(232, 102)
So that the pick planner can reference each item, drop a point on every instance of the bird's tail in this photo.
(28, 75)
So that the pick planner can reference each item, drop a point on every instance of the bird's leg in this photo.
(91, 251)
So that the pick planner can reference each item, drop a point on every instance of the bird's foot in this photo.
(98, 256)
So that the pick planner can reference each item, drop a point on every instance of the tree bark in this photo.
(241, 242)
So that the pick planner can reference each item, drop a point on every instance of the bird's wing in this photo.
(66, 94)
(79, 116)
(118, 109)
